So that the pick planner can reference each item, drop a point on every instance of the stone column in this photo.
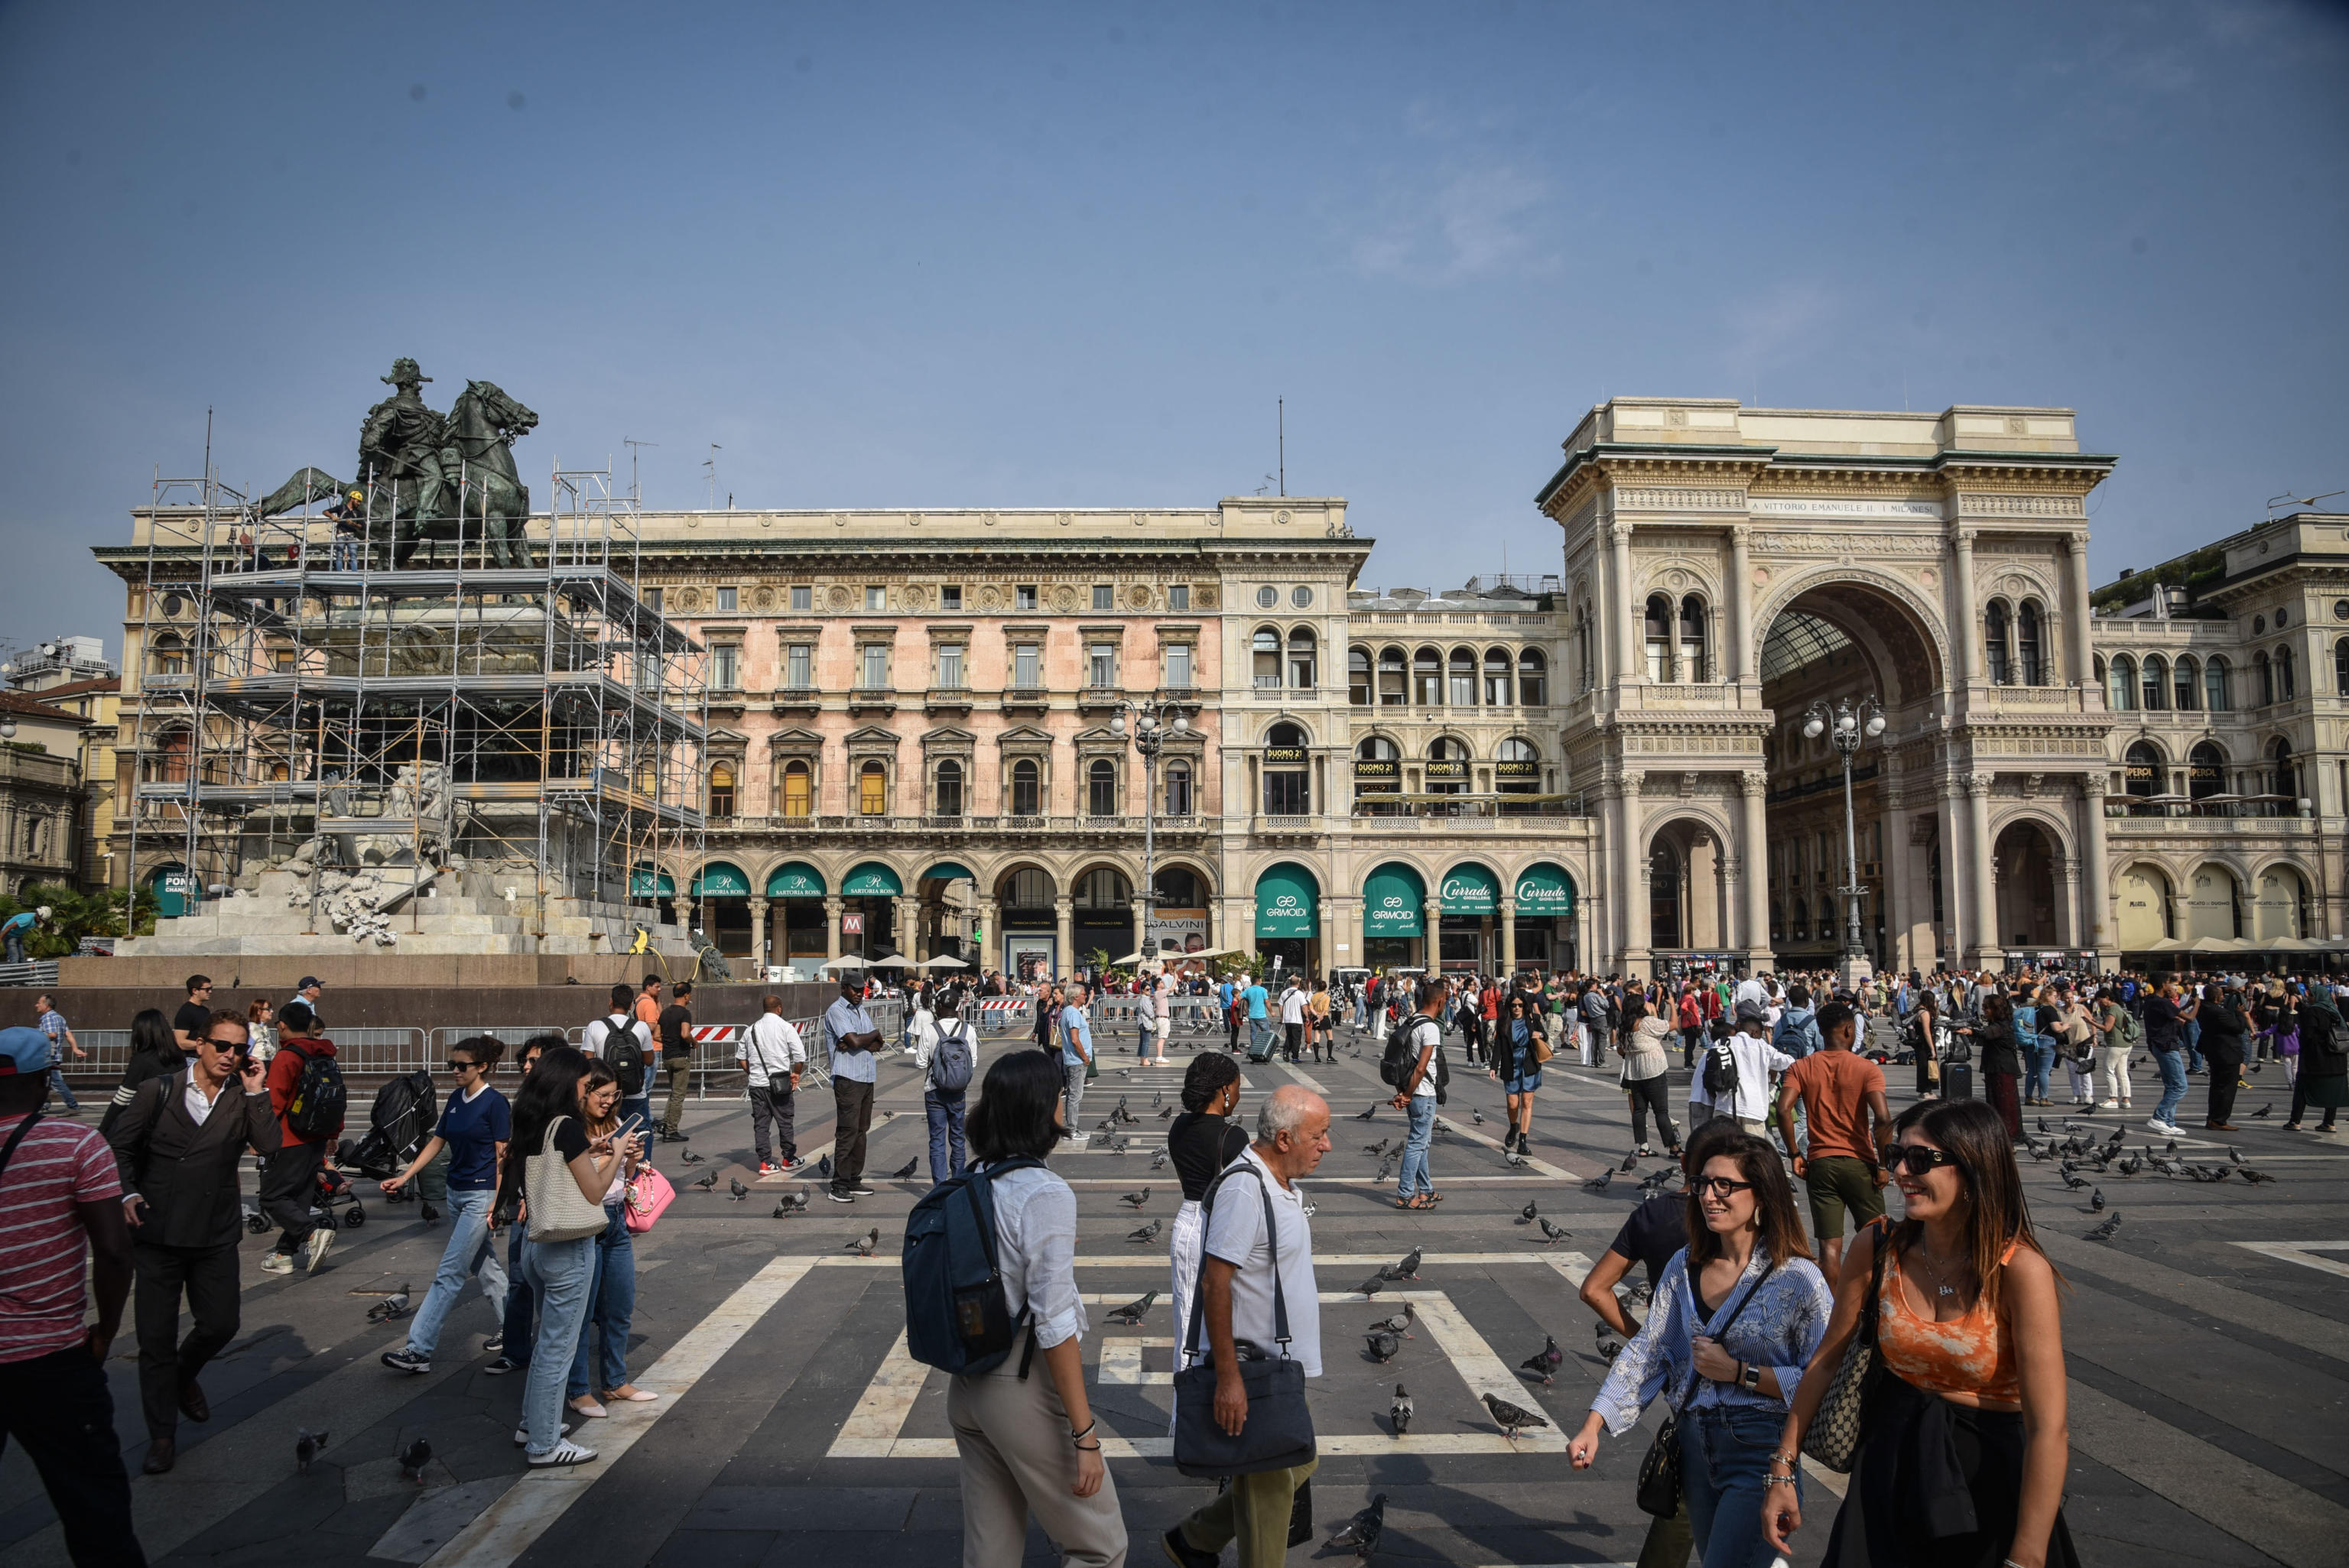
(1433, 961)
(1740, 605)
(759, 949)
(1064, 927)
(1325, 936)
(2095, 878)
(1633, 879)
(1957, 868)
(2077, 652)
(1627, 644)
(685, 908)
(2062, 868)
(988, 932)
(1967, 630)
(909, 925)
(1508, 918)
(1141, 931)
(1985, 907)
(832, 927)
(1754, 854)
(1896, 884)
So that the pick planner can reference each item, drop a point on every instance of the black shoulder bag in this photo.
(1278, 1431)
(1660, 1470)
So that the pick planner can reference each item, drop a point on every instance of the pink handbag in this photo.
(648, 1196)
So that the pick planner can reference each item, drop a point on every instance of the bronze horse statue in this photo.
(471, 471)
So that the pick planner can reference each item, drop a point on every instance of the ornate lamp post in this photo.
(1153, 721)
(1849, 724)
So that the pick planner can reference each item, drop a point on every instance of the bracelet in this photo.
(1086, 1430)
(1771, 1480)
(1092, 1448)
(1789, 1460)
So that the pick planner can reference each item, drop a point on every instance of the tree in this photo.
(74, 915)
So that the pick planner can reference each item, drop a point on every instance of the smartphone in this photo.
(628, 1130)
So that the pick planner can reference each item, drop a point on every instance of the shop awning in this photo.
(642, 884)
(797, 879)
(722, 879)
(870, 879)
(1288, 902)
(1544, 889)
(1470, 888)
(948, 870)
(1394, 903)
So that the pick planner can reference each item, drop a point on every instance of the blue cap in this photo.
(24, 1050)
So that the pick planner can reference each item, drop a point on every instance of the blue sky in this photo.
(894, 254)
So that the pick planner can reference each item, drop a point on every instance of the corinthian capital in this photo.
(1753, 784)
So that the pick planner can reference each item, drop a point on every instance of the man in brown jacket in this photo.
(177, 1146)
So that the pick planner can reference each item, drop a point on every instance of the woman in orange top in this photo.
(1963, 1442)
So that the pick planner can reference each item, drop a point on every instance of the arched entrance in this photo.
(722, 895)
(1024, 900)
(173, 890)
(1394, 917)
(948, 895)
(1289, 916)
(1470, 899)
(795, 892)
(2027, 906)
(1688, 905)
(869, 895)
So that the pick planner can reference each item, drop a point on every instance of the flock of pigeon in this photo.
(2073, 1148)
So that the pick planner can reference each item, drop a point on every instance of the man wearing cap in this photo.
(18, 926)
(850, 1040)
(1756, 1061)
(308, 993)
(64, 1202)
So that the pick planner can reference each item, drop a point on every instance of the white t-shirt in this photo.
(1236, 1234)
(1292, 1005)
(1756, 1060)
(1417, 1043)
(592, 1038)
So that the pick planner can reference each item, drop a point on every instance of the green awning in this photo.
(721, 879)
(1394, 899)
(1544, 889)
(797, 879)
(1470, 888)
(870, 879)
(1288, 902)
(642, 884)
(948, 870)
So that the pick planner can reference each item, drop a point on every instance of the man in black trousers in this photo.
(177, 1146)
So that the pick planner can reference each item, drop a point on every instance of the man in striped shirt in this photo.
(59, 1196)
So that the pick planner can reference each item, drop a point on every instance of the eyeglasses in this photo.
(1917, 1158)
(1721, 1185)
(457, 1067)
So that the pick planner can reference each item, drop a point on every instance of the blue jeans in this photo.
(57, 1082)
(945, 1133)
(1414, 1178)
(2192, 1028)
(563, 1274)
(468, 1220)
(2038, 1064)
(521, 1301)
(1725, 1452)
(2173, 1083)
(611, 1309)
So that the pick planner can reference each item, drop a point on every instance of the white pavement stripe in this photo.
(1540, 1167)
(1478, 1367)
(1323, 1260)
(2289, 1523)
(2305, 1254)
(508, 1527)
(1121, 1362)
(1328, 1445)
(2306, 1329)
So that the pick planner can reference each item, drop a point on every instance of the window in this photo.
(802, 596)
(2156, 682)
(1026, 666)
(281, 660)
(1178, 789)
(1516, 771)
(1693, 638)
(1027, 889)
(1101, 664)
(2283, 775)
(1497, 677)
(1178, 596)
(1302, 666)
(1179, 666)
(2187, 683)
(656, 599)
(873, 790)
(1464, 677)
(2120, 689)
(2263, 678)
(872, 667)
(799, 791)
(1427, 677)
(1996, 652)
(949, 789)
(1447, 766)
(2214, 685)
(2142, 771)
(2206, 772)
(1264, 656)
(1104, 596)
(1391, 687)
(2287, 687)
(1659, 625)
(1285, 792)
(2029, 642)
(721, 792)
(1023, 597)
(1300, 597)
(876, 598)
(1026, 792)
(729, 599)
(1532, 678)
(2341, 666)
(725, 667)
(799, 666)
(1103, 888)
(950, 675)
(1266, 598)
(1100, 788)
(1358, 676)
(950, 597)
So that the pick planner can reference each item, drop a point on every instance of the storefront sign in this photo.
(1176, 931)
(871, 879)
(1516, 769)
(1470, 890)
(1544, 889)
(1447, 770)
(797, 879)
(722, 881)
(1394, 903)
(1286, 902)
(1285, 755)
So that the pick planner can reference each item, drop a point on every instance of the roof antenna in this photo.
(635, 489)
(710, 462)
(2287, 499)
(1280, 414)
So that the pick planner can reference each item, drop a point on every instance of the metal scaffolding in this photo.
(300, 701)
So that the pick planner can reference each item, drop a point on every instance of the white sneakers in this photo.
(320, 1240)
(2172, 1129)
(565, 1452)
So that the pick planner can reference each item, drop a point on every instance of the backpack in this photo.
(1402, 1054)
(950, 1061)
(1791, 1026)
(956, 1316)
(1720, 1071)
(624, 1052)
(2131, 1029)
(315, 1111)
(397, 1124)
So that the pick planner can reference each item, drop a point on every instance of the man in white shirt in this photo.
(1758, 1062)
(1292, 1134)
(1754, 989)
(1292, 1019)
(772, 1053)
(595, 1040)
(1162, 1012)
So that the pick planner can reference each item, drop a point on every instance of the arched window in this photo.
(172, 748)
(721, 792)
(1391, 687)
(170, 655)
(1178, 789)
(1100, 788)
(949, 789)
(2284, 774)
(1287, 784)
(1659, 637)
(1447, 766)
(2287, 685)
(799, 789)
(1265, 649)
(1693, 639)
(2120, 690)
(1464, 677)
(1358, 676)
(1497, 677)
(1516, 771)
(1103, 888)
(2156, 682)
(1179, 887)
(2098, 661)
(1303, 668)
(2206, 772)
(2264, 677)
(1027, 788)
(1997, 652)
(1427, 677)
(873, 790)
(2030, 643)
(1028, 887)
(2214, 684)
(2143, 770)
(1532, 678)
(2187, 683)
(1377, 749)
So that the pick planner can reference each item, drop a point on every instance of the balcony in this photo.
(872, 700)
(2210, 807)
(967, 826)
(947, 699)
(1100, 699)
(1026, 699)
(797, 700)
(1484, 812)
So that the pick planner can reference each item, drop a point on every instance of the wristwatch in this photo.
(1749, 1377)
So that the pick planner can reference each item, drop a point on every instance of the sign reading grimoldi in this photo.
(1516, 769)
(1447, 770)
(1284, 754)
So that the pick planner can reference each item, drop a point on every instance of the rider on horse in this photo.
(405, 443)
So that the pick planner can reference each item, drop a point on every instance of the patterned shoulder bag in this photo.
(1833, 1439)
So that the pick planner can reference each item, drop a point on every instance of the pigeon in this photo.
(2044, 1127)
(1158, 1097)
(2170, 1147)
(2235, 1155)
(709, 1180)
(2261, 1114)
(1599, 1185)
(1400, 1412)
(2104, 1233)
(1148, 1232)
(1378, 1148)
(734, 1185)
(1118, 1111)
(1387, 1166)
(1372, 1285)
(413, 1459)
(1552, 1234)
(1133, 1312)
(1359, 1534)
(2073, 1182)
(2131, 1165)
(1513, 1159)
(1370, 1115)
(791, 1203)
(1611, 1345)
(1630, 1162)
(1407, 1268)
(905, 1172)
(306, 1449)
(1543, 1362)
(1477, 1115)
(1158, 1159)
(690, 1157)
(2256, 1177)
(2096, 1200)
(1512, 1418)
(390, 1306)
(864, 1244)
(824, 1169)
(1526, 1214)
(1135, 1200)
(1168, 1112)
(1382, 1346)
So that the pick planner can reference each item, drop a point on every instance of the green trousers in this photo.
(1253, 1511)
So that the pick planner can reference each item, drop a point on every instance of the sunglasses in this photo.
(457, 1067)
(1917, 1159)
(1721, 1185)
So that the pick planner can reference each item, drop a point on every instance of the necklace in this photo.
(1939, 1288)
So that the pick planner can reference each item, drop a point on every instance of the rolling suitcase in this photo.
(1957, 1081)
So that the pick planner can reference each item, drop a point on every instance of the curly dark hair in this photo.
(1205, 1078)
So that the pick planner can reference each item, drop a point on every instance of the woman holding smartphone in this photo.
(611, 1286)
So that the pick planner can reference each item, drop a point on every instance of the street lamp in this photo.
(1151, 724)
(1849, 724)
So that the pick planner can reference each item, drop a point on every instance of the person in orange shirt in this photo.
(649, 1004)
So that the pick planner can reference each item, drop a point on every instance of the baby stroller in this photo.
(403, 1116)
(332, 1191)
